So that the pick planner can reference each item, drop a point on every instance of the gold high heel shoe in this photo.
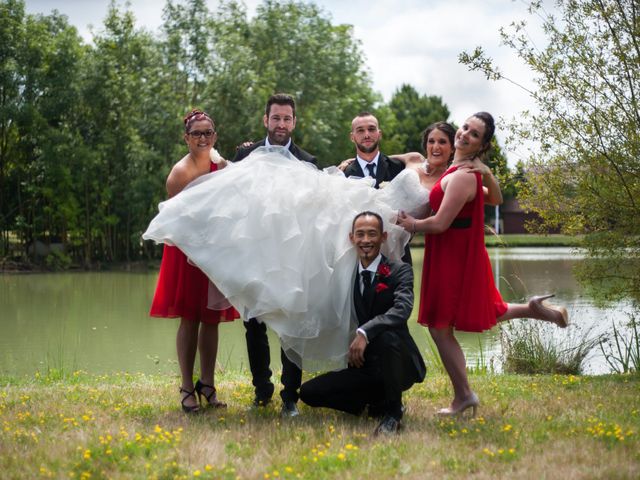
(549, 313)
(471, 402)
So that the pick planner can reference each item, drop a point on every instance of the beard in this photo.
(369, 149)
(278, 137)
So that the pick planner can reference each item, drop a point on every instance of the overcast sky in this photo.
(404, 41)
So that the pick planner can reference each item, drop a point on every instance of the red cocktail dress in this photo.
(457, 281)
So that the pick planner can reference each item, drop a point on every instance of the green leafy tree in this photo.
(11, 40)
(116, 92)
(41, 58)
(414, 113)
(585, 176)
(290, 47)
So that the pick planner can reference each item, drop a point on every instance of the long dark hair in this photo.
(489, 130)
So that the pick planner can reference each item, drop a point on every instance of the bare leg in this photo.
(186, 345)
(454, 362)
(208, 346)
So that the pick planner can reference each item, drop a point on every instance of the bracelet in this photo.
(414, 227)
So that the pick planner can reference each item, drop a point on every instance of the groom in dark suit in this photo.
(370, 161)
(279, 120)
(384, 360)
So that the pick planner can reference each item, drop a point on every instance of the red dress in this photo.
(457, 282)
(182, 289)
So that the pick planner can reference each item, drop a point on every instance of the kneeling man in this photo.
(384, 360)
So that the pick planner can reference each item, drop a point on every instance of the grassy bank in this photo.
(130, 426)
(530, 240)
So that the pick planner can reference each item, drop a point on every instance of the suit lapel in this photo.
(381, 172)
(358, 301)
(356, 171)
(377, 279)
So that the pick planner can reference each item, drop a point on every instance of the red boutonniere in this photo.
(384, 270)
(381, 287)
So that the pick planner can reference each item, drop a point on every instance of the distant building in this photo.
(514, 218)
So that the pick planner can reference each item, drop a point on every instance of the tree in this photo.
(414, 113)
(289, 47)
(116, 91)
(584, 177)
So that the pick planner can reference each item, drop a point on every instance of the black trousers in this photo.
(259, 363)
(388, 371)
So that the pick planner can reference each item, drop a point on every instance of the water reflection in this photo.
(99, 321)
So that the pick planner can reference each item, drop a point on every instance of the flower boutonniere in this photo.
(383, 270)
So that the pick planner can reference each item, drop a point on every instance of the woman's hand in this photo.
(475, 166)
(407, 222)
(343, 166)
(491, 189)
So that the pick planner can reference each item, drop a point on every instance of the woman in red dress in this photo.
(182, 289)
(458, 291)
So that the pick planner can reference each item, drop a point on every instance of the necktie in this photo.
(366, 280)
(372, 169)
(367, 292)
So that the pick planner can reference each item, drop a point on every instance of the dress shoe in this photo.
(550, 313)
(289, 409)
(388, 426)
(470, 402)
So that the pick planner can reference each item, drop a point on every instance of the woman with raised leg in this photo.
(458, 291)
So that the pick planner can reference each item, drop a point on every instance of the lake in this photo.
(98, 322)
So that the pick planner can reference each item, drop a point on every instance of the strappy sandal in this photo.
(190, 409)
(212, 400)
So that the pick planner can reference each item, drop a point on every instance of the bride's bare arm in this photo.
(409, 158)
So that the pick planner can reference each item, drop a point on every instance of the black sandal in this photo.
(189, 408)
(212, 400)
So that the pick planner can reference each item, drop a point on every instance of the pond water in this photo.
(98, 322)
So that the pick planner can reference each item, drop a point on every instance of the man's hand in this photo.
(246, 144)
(356, 351)
(345, 163)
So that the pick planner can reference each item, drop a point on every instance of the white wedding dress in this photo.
(272, 233)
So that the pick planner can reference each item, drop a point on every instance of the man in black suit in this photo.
(370, 161)
(279, 120)
(384, 360)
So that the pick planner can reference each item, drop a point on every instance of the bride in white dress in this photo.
(273, 234)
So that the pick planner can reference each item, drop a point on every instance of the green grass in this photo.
(530, 240)
(130, 426)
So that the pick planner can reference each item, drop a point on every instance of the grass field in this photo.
(130, 426)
